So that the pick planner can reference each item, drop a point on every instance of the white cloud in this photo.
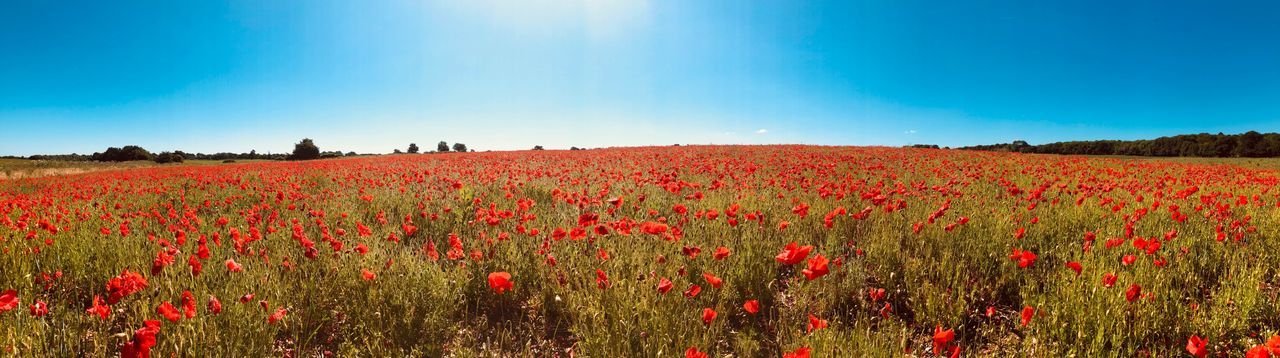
(910, 131)
(762, 131)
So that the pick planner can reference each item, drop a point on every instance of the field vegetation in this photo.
(717, 250)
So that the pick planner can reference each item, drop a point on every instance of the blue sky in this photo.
(371, 76)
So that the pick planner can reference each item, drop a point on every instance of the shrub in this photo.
(305, 150)
(128, 153)
(167, 157)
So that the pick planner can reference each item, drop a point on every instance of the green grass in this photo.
(417, 306)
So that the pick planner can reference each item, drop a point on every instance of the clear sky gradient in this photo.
(372, 76)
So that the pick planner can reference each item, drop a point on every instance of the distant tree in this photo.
(459, 147)
(413, 148)
(133, 152)
(167, 157)
(574, 148)
(1019, 146)
(537, 147)
(128, 153)
(442, 147)
(73, 157)
(1249, 144)
(1224, 145)
(305, 150)
(351, 154)
(397, 151)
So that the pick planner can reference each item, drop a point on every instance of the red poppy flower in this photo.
(817, 267)
(602, 280)
(163, 259)
(1027, 313)
(1274, 344)
(126, 284)
(99, 308)
(653, 228)
(802, 352)
(167, 311)
(876, 294)
(1024, 258)
(8, 300)
(1259, 351)
(196, 265)
(942, 339)
(1197, 346)
(367, 275)
(276, 317)
(500, 282)
(214, 306)
(39, 309)
(712, 280)
(751, 306)
(233, 266)
(188, 304)
(1074, 266)
(793, 253)
(664, 285)
(721, 253)
(692, 291)
(692, 252)
(815, 323)
(693, 352)
(1133, 293)
(143, 339)
(1128, 259)
(1109, 279)
(708, 315)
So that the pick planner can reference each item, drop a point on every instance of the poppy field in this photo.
(697, 251)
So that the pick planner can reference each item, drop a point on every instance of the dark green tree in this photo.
(167, 157)
(305, 150)
(128, 153)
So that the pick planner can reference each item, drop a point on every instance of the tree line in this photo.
(306, 149)
(303, 150)
(442, 147)
(1250, 144)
